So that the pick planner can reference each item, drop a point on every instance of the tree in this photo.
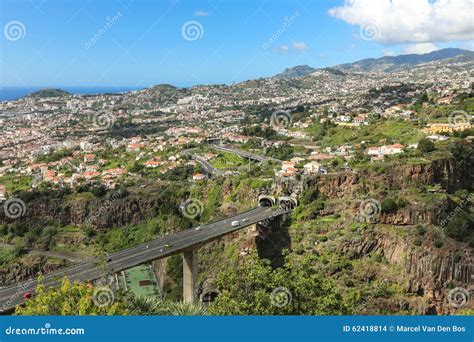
(426, 145)
(460, 226)
(388, 205)
(82, 299)
(254, 288)
(142, 305)
(463, 153)
(70, 299)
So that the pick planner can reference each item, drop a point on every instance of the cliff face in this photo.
(447, 173)
(100, 213)
(429, 272)
(26, 269)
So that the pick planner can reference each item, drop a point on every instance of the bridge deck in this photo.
(127, 258)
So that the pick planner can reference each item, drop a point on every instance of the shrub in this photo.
(417, 242)
(322, 238)
(426, 145)
(388, 205)
(420, 230)
(438, 243)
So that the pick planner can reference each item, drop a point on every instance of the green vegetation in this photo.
(426, 146)
(284, 152)
(54, 156)
(9, 255)
(295, 289)
(387, 132)
(83, 299)
(68, 299)
(227, 160)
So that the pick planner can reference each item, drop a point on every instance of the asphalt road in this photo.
(127, 258)
(243, 153)
(207, 168)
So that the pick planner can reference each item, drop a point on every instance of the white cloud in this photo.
(388, 52)
(420, 48)
(281, 49)
(201, 13)
(409, 21)
(300, 46)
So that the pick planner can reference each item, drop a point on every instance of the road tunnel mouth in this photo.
(209, 297)
(287, 203)
(266, 201)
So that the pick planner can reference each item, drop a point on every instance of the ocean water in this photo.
(13, 93)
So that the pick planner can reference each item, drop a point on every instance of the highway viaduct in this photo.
(186, 242)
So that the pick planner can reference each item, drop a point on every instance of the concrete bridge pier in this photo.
(190, 272)
(159, 267)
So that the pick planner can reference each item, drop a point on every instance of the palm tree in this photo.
(186, 309)
(143, 305)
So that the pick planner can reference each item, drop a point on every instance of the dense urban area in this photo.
(377, 157)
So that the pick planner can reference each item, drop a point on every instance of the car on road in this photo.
(168, 245)
(198, 228)
(245, 220)
(27, 295)
(235, 223)
(107, 257)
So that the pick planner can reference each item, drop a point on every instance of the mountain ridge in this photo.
(385, 63)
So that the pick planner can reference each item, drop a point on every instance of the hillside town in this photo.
(161, 121)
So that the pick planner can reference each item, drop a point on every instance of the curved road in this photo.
(156, 249)
(207, 168)
(243, 154)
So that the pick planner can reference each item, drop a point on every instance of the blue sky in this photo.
(144, 43)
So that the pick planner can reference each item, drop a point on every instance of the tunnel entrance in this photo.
(208, 297)
(266, 201)
(287, 203)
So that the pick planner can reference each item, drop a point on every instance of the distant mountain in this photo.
(163, 87)
(49, 93)
(393, 63)
(297, 71)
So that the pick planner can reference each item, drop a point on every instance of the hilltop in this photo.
(49, 92)
(394, 63)
(385, 64)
